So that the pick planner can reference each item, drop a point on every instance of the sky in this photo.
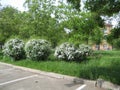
(15, 3)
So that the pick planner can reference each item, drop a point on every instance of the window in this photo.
(105, 47)
(97, 47)
(105, 31)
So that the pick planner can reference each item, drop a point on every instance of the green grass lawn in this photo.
(103, 64)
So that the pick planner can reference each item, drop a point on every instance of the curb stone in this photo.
(106, 85)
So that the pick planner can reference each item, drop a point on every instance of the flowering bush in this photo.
(86, 49)
(82, 52)
(67, 51)
(37, 49)
(14, 48)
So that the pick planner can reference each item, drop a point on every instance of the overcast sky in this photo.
(15, 3)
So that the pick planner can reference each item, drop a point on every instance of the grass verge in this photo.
(103, 64)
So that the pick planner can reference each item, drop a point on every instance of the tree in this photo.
(23, 23)
(97, 36)
(88, 5)
(76, 3)
(40, 20)
(82, 26)
(7, 24)
(114, 37)
(103, 7)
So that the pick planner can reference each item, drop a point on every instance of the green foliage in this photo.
(82, 52)
(8, 26)
(1, 54)
(76, 3)
(24, 28)
(87, 50)
(14, 48)
(97, 36)
(83, 27)
(67, 51)
(104, 7)
(39, 22)
(114, 37)
(115, 32)
(37, 49)
(117, 43)
(106, 66)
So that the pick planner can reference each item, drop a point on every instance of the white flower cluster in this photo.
(37, 49)
(82, 52)
(14, 48)
(67, 51)
(87, 50)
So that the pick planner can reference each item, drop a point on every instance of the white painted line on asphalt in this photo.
(81, 87)
(16, 80)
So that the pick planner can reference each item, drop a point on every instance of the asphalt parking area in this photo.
(12, 78)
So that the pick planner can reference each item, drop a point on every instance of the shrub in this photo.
(14, 48)
(37, 49)
(82, 52)
(87, 50)
(117, 43)
(68, 52)
(65, 51)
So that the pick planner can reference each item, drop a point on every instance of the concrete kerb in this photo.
(49, 74)
(107, 85)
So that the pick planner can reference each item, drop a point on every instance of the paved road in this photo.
(12, 78)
